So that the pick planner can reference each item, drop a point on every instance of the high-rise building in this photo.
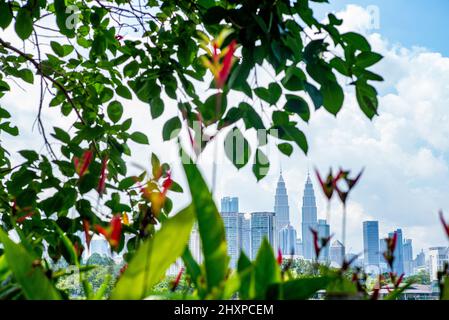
(281, 209)
(337, 253)
(408, 257)
(371, 243)
(287, 240)
(231, 224)
(438, 256)
(262, 226)
(195, 244)
(229, 204)
(298, 248)
(309, 219)
(398, 263)
(245, 234)
(324, 231)
(420, 259)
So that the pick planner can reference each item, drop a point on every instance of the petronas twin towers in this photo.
(282, 218)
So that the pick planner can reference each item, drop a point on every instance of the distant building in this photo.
(309, 219)
(245, 234)
(229, 204)
(398, 263)
(324, 231)
(371, 243)
(281, 210)
(408, 257)
(298, 248)
(195, 244)
(231, 224)
(262, 226)
(337, 253)
(287, 240)
(420, 259)
(438, 256)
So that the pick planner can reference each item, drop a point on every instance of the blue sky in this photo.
(408, 22)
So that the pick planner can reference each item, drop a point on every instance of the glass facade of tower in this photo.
(245, 234)
(371, 243)
(281, 209)
(287, 240)
(398, 264)
(309, 219)
(231, 223)
(324, 231)
(408, 257)
(229, 204)
(262, 226)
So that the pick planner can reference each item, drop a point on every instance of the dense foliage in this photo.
(93, 56)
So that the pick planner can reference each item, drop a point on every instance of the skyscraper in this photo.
(438, 256)
(309, 219)
(398, 264)
(229, 204)
(287, 240)
(245, 234)
(371, 243)
(408, 257)
(337, 253)
(281, 209)
(231, 224)
(262, 226)
(324, 232)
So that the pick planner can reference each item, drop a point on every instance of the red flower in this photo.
(279, 257)
(82, 165)
(396, 281)
(168, 182)
(119, 37)
(316, 245)
(329, 185)
(103, 176)
(23, 218)
(343, 195)
(223, 74)
(391, 246)
(177, 279)
(86, 229)
(113, 232)
(444, 223)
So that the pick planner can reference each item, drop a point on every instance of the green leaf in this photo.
(210, 226)
(26, 75)
(171, 128)
(294, 79)
(131, 69)
(286, 148)
(314, 94)
(367, 59)
(127, 183)
(154, 257)
(266, 270)
(270, 94)
(139, 137)
(250, 116)
(237, 148)
(156, 107)
(261, 165)
(291, 133)
(367, 98)
(123, 92)
(246, 274)
(33, 281)
(298, 289)
(24, 23)
(61, 135)
(29, 155)
(297, 105)
(57, 48)
(213, 109)
(333, 96)
(115, 111)
(356, 41)
(5, 14)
